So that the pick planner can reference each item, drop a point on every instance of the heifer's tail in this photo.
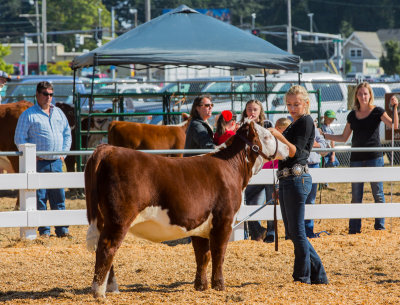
(95, 218)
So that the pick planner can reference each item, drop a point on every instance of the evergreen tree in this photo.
(391, 62)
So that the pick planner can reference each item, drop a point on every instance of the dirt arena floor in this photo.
(362, 269)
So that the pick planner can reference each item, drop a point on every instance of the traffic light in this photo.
(98, 34)
(255, 32)
(77, 40)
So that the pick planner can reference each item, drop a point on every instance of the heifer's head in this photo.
(261, 142)
(69, 113)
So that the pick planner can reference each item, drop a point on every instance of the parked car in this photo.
(333, 95)
(25, 88)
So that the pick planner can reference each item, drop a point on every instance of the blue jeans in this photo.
(357, 191)
(328, 163)
(293, 192)
(56, 197)
(309, 223)
(256, 195)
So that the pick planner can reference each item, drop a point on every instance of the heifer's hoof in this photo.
(99, 295)
(112, 288)
(98, 291)
(199, 286)
(218, 285)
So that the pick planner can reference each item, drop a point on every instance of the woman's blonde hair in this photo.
(356, 104)
(260, 119)
(302, 92)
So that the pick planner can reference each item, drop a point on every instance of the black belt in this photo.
(296, 170)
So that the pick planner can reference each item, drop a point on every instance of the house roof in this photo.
(367, 40)
(388, 34)
(185, 37)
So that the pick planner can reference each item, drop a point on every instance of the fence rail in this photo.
(28, 180)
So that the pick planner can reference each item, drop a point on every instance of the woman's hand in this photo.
(394, 101)
(281, 137)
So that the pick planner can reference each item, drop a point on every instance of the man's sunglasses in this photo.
(47, 94)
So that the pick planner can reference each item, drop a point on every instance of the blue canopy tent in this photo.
(185, 37)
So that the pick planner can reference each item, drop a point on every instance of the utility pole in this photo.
(147, 12)
(39, 58)
(253, 20)
(99, 10)
(44, 30)
(289, 27)
(310, 15)
(113, 22)
(113, 34)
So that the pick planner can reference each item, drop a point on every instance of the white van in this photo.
(333, 95)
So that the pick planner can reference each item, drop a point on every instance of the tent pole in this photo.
(266, 93)
(91, 100)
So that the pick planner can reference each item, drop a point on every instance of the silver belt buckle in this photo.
(297, 169)
(285, 172)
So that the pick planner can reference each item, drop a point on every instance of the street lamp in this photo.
(253, 20)
(134, 11)
(99, 31)
(310, 15)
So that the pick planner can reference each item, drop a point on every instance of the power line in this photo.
(359, 5)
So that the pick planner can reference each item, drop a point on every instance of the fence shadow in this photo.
(37, 295)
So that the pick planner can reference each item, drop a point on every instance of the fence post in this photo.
(27, 198)
(237, 233)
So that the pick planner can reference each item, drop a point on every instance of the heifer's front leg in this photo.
(112, 285)
(219, 237)
(201, 248)
(104, 276)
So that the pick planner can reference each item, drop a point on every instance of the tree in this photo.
(346, 29)
(391, 62)
(75, 15)
(347, 66)
(60, 68)
(4, 51)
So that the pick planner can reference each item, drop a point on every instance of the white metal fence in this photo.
(28, 180)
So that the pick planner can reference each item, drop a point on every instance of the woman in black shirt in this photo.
(295, 184)
(364, 122)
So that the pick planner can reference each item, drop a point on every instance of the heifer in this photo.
(160, 198)
(96, 124)
(9, 114)
(147, 137)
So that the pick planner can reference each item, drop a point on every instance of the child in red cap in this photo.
(226, 127)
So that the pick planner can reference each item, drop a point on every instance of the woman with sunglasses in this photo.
(199, 134)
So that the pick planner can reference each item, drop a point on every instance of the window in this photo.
(356, 53)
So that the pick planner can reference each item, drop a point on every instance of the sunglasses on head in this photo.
(208, 105)
(46, 94)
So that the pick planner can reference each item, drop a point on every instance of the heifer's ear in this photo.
(185, 116)
(252, 131)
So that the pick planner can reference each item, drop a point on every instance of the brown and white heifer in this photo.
(148, 137)
(9, 114)
(162, 198)
(96, 124)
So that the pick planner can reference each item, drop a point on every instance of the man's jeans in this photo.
(56, 197)
(357, 191)
(256, 195)
(309, 223)
(293, 192)
(328, 163)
